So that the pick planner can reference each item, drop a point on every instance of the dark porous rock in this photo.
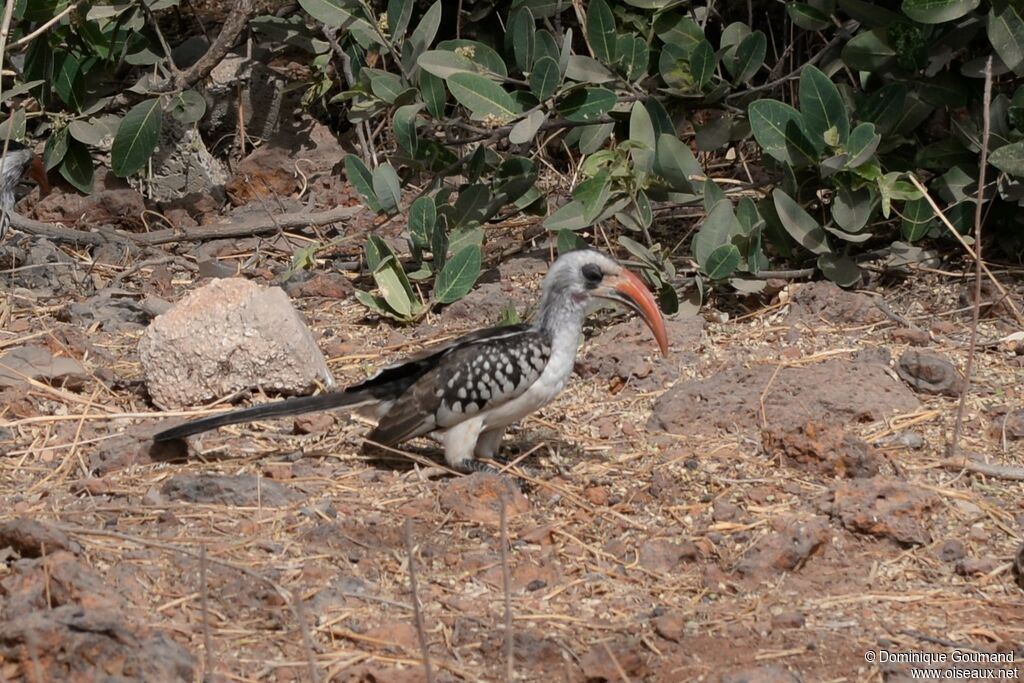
(661, 555)
(627, 351)
(951, 551)
(786, 550)
(835, 390)
(824, 448)
(478, 498)
(31, 538)
(886, 508)
(607, 661)
(817, 301)
(242, 490)
(929, 373)
(21, 364)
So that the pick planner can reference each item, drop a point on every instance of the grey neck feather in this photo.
(558, 314)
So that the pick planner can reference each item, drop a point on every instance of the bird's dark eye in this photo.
(592, 275)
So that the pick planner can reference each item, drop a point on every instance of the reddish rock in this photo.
(824, 448)
(597, 495)
(929, 373)
(607, 661)
(772, 673)
(884, 507)
(314, 423)
(671, 626)
(910, 335)
(951, 551)
(32, 538)
(477, 498)
(329, 285)
(835, 390)
(660, 555)
(785, 550)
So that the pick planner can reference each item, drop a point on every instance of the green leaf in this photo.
(136, 137)
(77, 166)
(570, 241)
(188, 107)
(524, 131)
(884, 107)
(852, 208)
(547, 46)
(870, 14)
(674, 162)
(394, 287)
(68, 83)
(592, 138)
(868, 51)
(426, 30)
(918, 219)
(567, 217)
(722, 262)
(458, 276)
(399, 14)
(587, 104)
(376, 250)
(443, 63)
(469, 207)
(862, 144)
(807, 17)
(332, 13)
(678, 30)
(750, 57)
(522, 29)
(405, 126)
(484, 56)
(633, 56)
(593, 194)
(362, 180)
(720, 226)
(1006, 33)
(840, 269)
(778, 128)
(55, 149)
(822, 107)
(938, 11)
(601, 31)
(583, 69)
(422, 219)
(641, 131)
(702, 63)
(384, 84)
(944, 154)
(387, 187)
(482, 96)
(1009, 159)
(434, 96)
(545, 78)
(800, 225)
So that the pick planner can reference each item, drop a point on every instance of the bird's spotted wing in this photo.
(476, 375)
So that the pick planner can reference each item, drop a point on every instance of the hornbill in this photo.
(13, 164)
(469, 391)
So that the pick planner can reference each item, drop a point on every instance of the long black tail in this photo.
(290, 406)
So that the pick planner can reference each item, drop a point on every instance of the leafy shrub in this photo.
(631, 99)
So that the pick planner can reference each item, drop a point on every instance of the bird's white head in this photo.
(581, 280)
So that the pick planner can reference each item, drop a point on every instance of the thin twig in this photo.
(236, 21)
(963, 243)
(506, 585)
(1005, 472)
(46, 26)
(976, 313)
(421, 631)
(204, 606)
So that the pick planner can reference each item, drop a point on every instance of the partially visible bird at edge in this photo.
(468, 392)
(16, 160)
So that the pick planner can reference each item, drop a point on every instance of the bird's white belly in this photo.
(548, 385)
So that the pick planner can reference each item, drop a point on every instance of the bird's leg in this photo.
(460, 442)
(489, 443)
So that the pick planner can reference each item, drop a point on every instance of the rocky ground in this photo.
(769, 503)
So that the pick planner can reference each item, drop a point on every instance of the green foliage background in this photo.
(824, 110)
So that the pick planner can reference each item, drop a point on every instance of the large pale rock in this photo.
(229, 335)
